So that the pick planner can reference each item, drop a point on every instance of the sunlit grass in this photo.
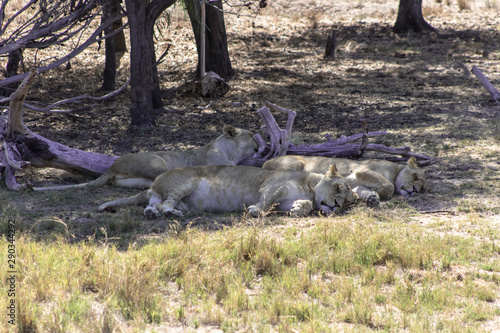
(368, 271)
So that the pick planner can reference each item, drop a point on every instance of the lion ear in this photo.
(230, 131)
(332, 172)
(412, 163)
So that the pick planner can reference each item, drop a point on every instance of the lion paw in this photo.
(301, 207)
(373, 200)
(254, 211)
(151, 212)
(174, 211)
(325, 210)
(166, 209)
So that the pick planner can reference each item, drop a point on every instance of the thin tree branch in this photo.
(495, 95)
(92, 39)
(47, 30)
(59, 39)
(160, 59)
(48, 108)
(2, 10)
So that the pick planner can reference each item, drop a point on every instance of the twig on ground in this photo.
(495, 95)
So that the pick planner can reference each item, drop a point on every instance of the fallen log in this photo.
(22, 148)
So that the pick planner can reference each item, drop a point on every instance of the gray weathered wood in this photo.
(495, 95)
(22, 148)
(279, 139)
(343, 147)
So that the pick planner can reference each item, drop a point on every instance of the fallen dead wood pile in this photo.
(343, 147)
(20, 148)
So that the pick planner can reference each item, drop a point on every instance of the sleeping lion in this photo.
(140, 170)
(371, 180)
(233, 188)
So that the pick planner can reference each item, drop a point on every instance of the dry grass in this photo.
(429, 263)
(368, 274)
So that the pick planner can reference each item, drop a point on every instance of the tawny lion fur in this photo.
(140, 170)
(234, 188)
(371, 180)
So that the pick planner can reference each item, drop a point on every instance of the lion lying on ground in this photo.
(371, 180)
(140, 170)
(219, 188)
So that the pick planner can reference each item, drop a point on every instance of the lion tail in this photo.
(103, 180)
(138, 199)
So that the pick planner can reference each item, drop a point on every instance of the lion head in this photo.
(333, 193)
(237, 143)
(411, 180)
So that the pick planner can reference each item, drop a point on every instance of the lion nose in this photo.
(414, 191)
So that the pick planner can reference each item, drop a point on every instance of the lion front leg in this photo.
(255, 211)
(268, 198)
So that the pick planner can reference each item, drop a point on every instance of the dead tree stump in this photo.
(331, 43)
(212, 85)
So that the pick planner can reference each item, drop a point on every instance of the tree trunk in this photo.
(145, 88)
(109, 73)
(216, 52)
(15, 58)
(120, 43)
(12, 67)
(410, 17)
